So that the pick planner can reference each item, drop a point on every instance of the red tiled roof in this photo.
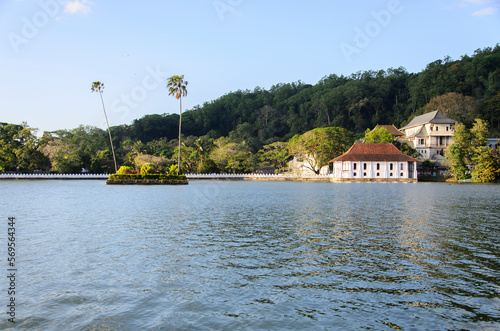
(374, 152)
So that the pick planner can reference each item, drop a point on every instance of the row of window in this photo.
(365, 165)
(354, 174)
(447, 128)
(438, 141)
(424, 152)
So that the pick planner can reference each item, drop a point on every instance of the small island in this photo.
(146, 176)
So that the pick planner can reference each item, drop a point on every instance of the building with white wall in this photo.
(430, 134)
(376, 161)
(493, 142)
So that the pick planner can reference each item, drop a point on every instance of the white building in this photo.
(493, 142)
(382, 162)
(430, 134)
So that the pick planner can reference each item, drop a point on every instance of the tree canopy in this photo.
(20, 149)
(469, 156)
(318, 146)
(378, 135)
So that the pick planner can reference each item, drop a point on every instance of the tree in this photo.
(378, 135)
(99, 87)
(101, 162)
(177, 88)
(64, 157)
(483, 162)
(469, 154)
(28, 154)
(458, 154)
(202, 147)
(406, 149)
(72, 150)
(8, 146)
(157, 161)
(276, 155)
(318, 146)
(491, 111)
(486, 165)
(454, 105)
(232, 156)
(20, 149)
(189, 157)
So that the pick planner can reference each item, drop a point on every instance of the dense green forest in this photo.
(355, 103)
(235, 131)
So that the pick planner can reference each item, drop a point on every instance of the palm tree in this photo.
(99, 87)
(177, 88)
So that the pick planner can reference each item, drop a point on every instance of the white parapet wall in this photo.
(253, 176)
(52, 176)
(257, 176)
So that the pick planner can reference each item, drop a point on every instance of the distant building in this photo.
(493, 142)
(430, 134)
(377, 161)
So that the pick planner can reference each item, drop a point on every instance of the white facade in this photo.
(430, 139)
(430, 134)
(374, 170)
(374, 161)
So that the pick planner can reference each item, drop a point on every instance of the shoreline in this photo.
(235, 177)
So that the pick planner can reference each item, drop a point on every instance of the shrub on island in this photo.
(146, 175)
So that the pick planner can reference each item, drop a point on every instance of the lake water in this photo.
(252, 255)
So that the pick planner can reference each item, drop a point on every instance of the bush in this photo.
(147, 169)
(126, 176)
(149, 176)
(124, 170)
(146, 172)
(173, 169)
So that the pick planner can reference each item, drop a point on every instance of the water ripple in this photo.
(256, 255)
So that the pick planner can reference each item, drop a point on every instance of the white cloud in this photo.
(494, 5)
(76, 6)
(468, 3)
(480, 2)
(485, 11)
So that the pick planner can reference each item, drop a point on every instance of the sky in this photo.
(52, 50)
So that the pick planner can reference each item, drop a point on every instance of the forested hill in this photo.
(356, 102)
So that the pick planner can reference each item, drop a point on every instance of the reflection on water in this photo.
(256, 255)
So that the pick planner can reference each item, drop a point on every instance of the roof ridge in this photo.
(374, 152)
(428, 118)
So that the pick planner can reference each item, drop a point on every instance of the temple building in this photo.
(376, 161)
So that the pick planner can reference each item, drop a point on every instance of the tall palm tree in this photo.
(177, 88)
(99, 87)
